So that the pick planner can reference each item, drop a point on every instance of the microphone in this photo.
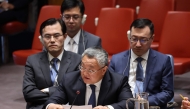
(77, 92)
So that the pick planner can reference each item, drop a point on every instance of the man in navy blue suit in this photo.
(157, 74)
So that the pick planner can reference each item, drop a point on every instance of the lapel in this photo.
(81, 86)
(82, 40)
(126, 63)
(104, 88)
(64, 64)
(44, 66)
(149, 68)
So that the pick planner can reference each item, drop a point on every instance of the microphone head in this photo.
(77, 92)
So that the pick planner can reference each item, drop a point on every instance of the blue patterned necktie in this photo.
(53, 72)
(92, 100)
(139, 76)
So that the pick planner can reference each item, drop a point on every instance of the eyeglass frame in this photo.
(89, 71)
(140, 40)
(74, 17)
(49, 36)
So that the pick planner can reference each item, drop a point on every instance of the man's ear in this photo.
(65, 35)
(104, 70)
(153, 37)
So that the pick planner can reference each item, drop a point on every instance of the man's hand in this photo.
(185, 103)
(101, 107)
(6, 6)
(55, 106)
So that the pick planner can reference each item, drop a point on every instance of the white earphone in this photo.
(83, 19)
(40, 37)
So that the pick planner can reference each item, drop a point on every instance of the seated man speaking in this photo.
(93, 85)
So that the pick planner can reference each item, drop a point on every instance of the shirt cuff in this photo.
(46, 90)
(110, 107)
(48, 105)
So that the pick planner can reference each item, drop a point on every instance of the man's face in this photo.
(72, 18)
(53, 39)
(140, 40)
(91, 72)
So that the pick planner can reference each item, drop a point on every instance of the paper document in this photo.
(77, 107)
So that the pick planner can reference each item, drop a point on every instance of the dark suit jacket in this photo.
(88, 40)
(37, 76)
(20, 11)
(159, 75)
(114, 91)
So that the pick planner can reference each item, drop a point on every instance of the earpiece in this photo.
(128, 34)
(83, 19)
(40, 37)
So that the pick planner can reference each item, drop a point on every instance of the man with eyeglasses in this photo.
(147, 70)
(77, 39)
(93, 85)
(44, 70)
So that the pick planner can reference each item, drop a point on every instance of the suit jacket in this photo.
(114, 90)
(158, 77)
(88, 40)
(20, 11)
(37, 76)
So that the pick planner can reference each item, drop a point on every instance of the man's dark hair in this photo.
(53, 21)
(141, 23)
(68, 4)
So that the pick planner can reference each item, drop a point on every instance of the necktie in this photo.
(92, 100)
(71, 42)
(53, 72)
(139, 71)
(139, 76)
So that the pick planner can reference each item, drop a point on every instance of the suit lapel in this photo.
(149, 68)
(64, 64)
(126, 63)
(104, 88)
(44, 65)
(82, 39)
(81, 86)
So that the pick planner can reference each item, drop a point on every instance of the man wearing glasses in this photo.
(93, 85)
(77, 40)
(147, 70)
(44, 70)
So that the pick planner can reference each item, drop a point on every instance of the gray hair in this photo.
(98, 53)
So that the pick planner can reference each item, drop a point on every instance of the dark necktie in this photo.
(139, 71)
(53, 71)
(92, 100)
(139, 76)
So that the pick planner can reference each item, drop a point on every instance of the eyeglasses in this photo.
(68, 17)
(90, 71)
(55, 36)
(143, 40)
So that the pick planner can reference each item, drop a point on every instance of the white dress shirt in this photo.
(76, 42)
(133, 66)
(50, 57)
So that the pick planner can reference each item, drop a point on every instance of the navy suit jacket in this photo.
(158, 78)
(37, 76)
(114, 90)
(88, 40)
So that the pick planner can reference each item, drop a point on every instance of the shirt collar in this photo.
(96, 84)
(75, 38)
(134, 56)
(59, 57)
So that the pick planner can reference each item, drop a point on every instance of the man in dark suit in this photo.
(94, 84)
(72, 13)
(157, 74)
(44, 71)
(14, 10)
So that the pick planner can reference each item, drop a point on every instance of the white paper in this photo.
(77, 107)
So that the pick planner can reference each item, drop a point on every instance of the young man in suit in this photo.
(44, 70)
(94, 84)
(147, 70)
(72, 12)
